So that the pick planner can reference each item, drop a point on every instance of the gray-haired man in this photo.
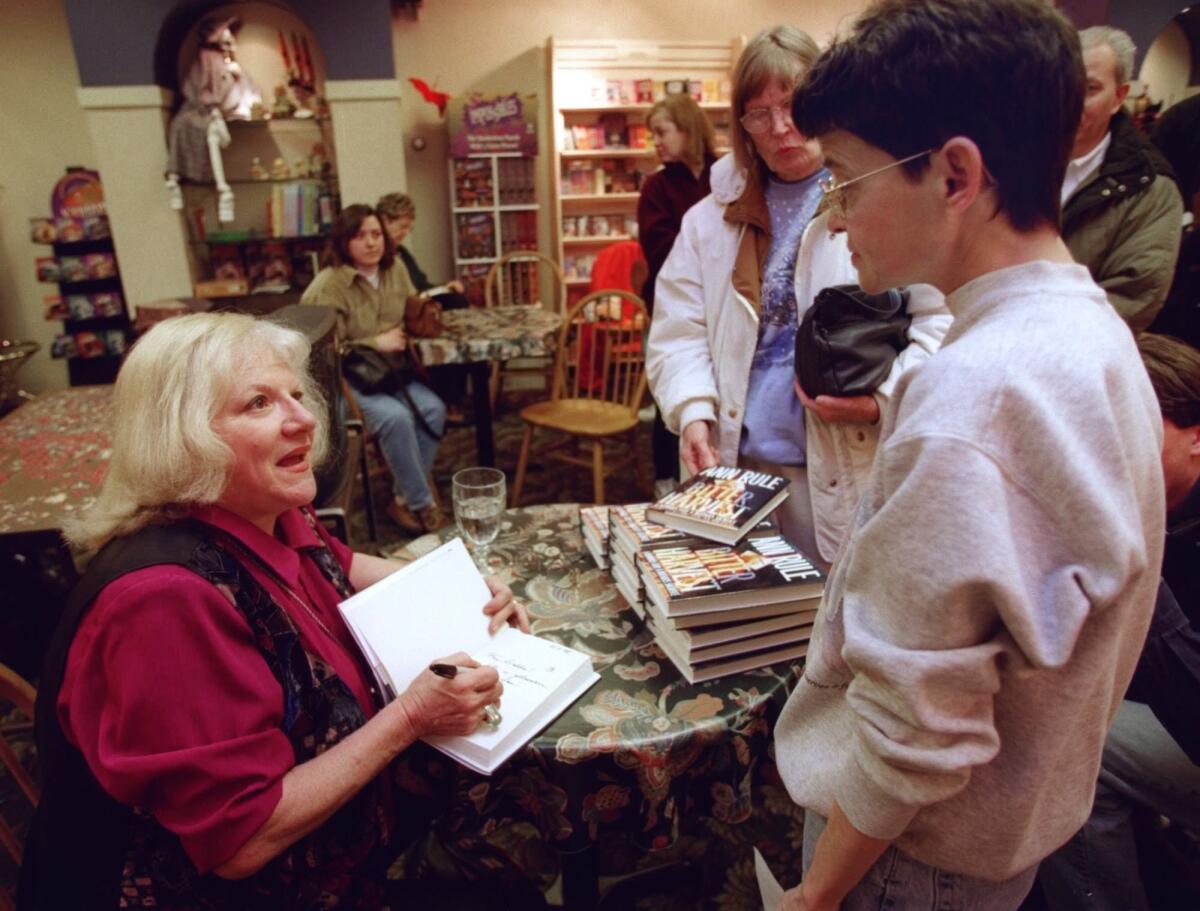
(1121, 209)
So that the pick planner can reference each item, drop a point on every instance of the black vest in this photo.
(87, 851)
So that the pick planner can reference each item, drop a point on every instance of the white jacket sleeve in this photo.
(679, 363)
(930, 321)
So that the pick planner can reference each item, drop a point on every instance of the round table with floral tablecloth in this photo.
(642, 769)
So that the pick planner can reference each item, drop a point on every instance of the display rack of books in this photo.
(90, 301)
(601, 92)
(285, 199)
(494, 207)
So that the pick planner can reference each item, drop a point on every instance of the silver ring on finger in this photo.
(491, 716)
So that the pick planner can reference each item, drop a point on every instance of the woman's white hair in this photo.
(165, 453)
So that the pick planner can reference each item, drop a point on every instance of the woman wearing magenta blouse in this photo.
(683, 139)
(208, 730)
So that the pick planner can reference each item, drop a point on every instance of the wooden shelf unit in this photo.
(493, 206)
(584, 78)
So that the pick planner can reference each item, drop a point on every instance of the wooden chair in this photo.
(599, 382)
(522, 277)
(15, 689)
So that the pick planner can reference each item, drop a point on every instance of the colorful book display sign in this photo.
(489, 124)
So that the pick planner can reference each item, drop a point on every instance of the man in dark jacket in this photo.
(1121, 208)
(1152, 754)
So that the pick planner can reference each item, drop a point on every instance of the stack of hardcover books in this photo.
(630, 532)
(718, 609)
(721, 590)
(594, 523)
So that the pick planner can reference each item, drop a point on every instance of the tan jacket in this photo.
(362, 311)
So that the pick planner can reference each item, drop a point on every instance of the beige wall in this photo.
(1167, 66)
(42, 129)
(497, 45)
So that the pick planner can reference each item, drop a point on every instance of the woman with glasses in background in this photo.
(748, 262)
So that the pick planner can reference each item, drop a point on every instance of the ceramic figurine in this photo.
(257, 171)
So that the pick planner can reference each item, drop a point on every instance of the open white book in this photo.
(433, 608)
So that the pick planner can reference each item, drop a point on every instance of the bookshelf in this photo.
(493, 206)
(286, 197)
(601, 92)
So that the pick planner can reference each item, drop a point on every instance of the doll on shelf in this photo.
(215, 89)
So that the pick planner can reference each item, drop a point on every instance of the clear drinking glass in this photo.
(479, 501)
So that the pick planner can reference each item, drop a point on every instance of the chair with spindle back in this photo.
(598, 384)
(522, 277)
(16, 690)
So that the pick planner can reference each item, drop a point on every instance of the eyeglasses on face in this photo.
(762, 119)
(835, 191)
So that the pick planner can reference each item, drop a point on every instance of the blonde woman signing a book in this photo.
(206, 723)
(748, 262)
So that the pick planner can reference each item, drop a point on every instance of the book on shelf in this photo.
(737, 664)
(721, 503)
(225, 262)
(476, 235)
(765, 568)
(434, 607)
(473, 182)
(516, 181)
(615, 131)
(473, 276)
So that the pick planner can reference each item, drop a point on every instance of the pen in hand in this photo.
(449, 671)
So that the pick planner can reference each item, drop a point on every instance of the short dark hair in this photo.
(912, 74)
(1174, 368)
(346, 226)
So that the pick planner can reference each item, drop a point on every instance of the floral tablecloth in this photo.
(645, 766)
(491, 334)
(54, 452)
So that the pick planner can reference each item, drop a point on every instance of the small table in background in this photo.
(478, 337)
(643, 768)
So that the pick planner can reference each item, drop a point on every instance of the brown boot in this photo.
(432, 517)
(405, 518)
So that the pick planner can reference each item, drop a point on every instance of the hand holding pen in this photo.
(491, 714)
(439, 705)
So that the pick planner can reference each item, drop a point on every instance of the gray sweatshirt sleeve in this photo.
(967, 581)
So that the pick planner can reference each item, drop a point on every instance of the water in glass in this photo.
(479, 502)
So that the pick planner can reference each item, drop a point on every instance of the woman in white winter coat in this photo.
(748, 262)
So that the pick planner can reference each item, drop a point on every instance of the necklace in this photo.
(245, 554)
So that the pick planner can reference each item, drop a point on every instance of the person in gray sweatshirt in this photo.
(987, 608)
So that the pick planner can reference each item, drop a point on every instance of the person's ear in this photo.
(1122, 94)
(1193, 441)
(961, 174)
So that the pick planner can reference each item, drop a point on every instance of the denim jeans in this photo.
(897, 882)
(408, 450)
(1142, 766)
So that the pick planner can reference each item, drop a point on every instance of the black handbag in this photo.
(849, 339)
(374, 372)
